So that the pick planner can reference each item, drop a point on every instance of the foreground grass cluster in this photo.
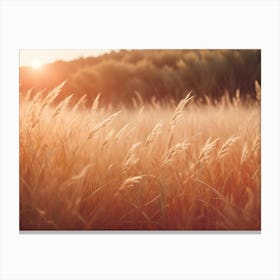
(151, 167)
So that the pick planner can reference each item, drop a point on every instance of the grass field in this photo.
(151, 167)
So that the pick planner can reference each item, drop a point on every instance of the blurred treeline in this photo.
(163, 74)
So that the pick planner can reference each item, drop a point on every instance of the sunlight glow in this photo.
(34, 58)
(36, 63)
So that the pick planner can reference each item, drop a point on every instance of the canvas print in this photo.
(148, 140)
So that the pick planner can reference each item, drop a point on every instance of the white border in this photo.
(128, 24)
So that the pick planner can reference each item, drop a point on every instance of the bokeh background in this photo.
(159, 74)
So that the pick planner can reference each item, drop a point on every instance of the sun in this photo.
(36, 63)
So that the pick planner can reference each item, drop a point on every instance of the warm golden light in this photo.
(28, 57)
(36, 63)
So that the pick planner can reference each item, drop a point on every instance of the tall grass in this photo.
(154, 167)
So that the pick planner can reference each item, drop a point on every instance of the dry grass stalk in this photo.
(108, 137)
(256, 146)
(81, 174)
(95, 104)
(102, 124)
(51, 96)
(155, 132)
(140, 101)
(258, 91)
(130, 182)
(62, 105)
(79, 103)
(244, 154)
(178, 111)
(227, 146)
(130, 158)
(206, 150)
(121, 132)
(176, 149)
(28, 94)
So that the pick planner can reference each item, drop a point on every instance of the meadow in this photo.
(169, 165)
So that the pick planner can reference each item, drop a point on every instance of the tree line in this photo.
(158, 74)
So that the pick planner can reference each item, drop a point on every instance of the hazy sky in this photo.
(36, 58)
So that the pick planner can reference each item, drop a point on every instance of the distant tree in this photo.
(160, 73)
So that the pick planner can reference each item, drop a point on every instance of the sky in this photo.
(36, 58)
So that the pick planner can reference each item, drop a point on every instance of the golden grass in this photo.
(154, 167)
